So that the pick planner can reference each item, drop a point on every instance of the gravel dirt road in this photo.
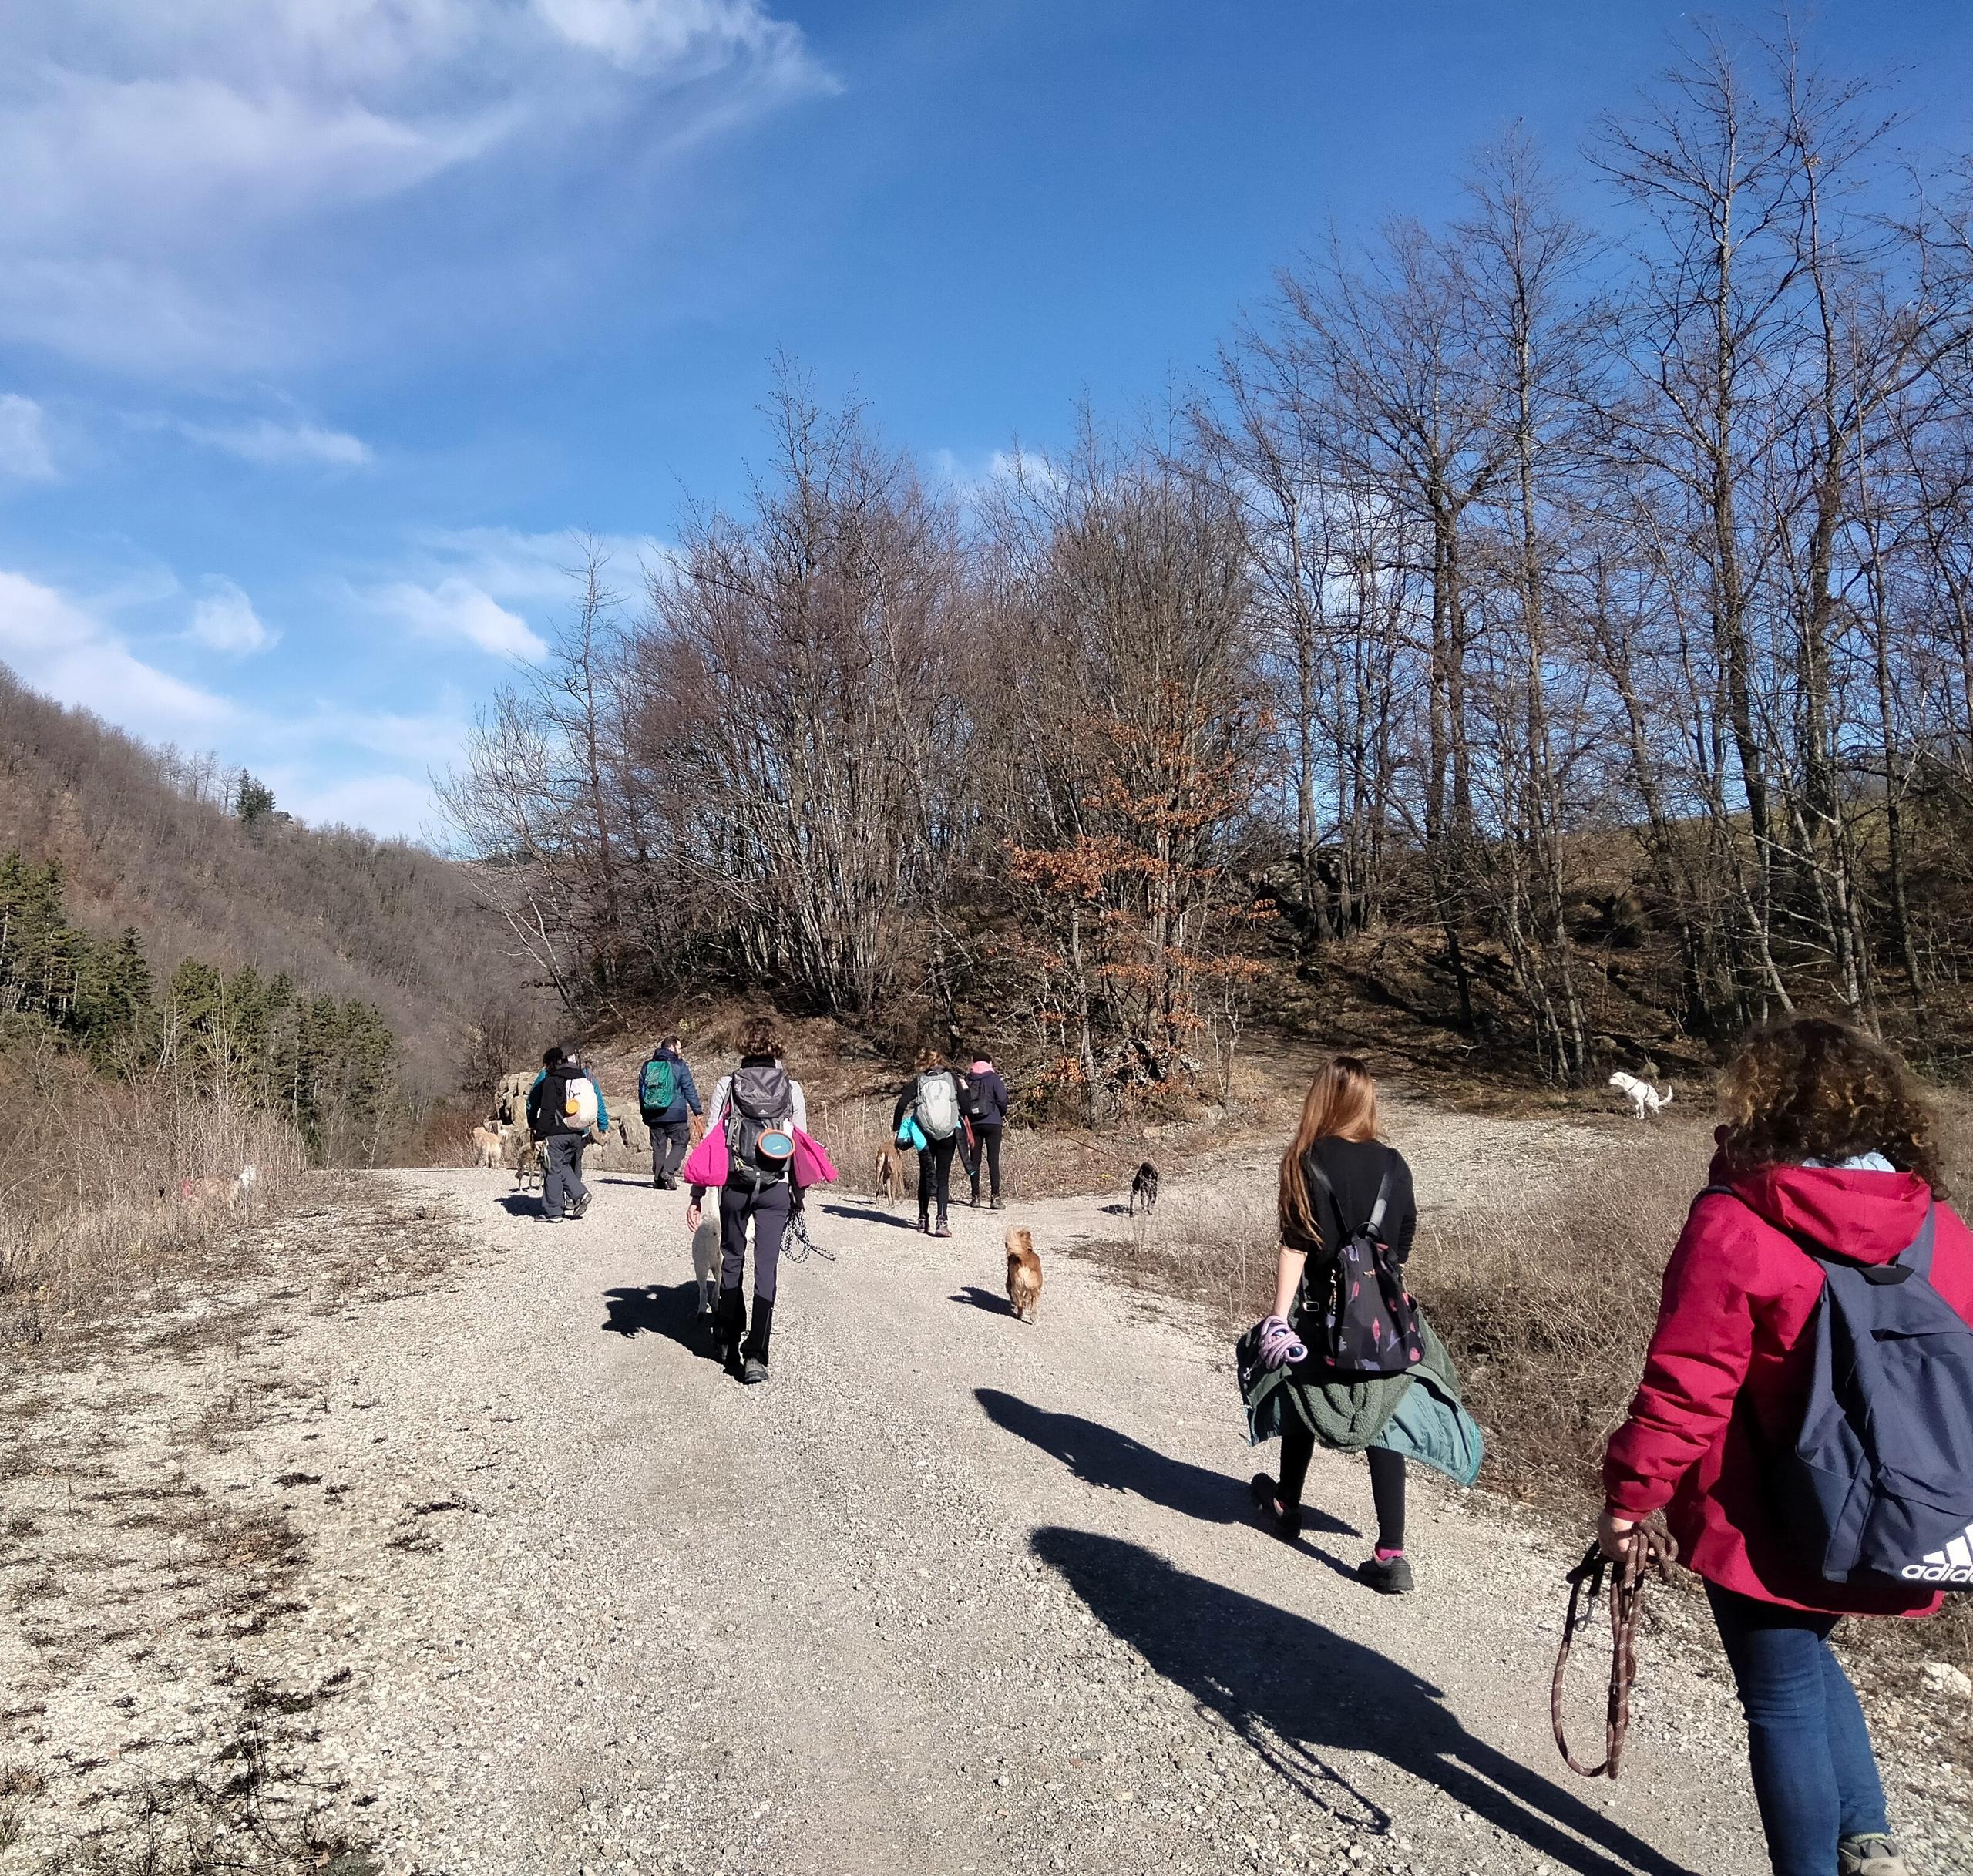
(950, 1594)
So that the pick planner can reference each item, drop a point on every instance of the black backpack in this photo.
(1367, 1324)
(759, 1100)
(1879, 1481)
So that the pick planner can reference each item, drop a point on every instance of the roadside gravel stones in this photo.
(1942, 1677)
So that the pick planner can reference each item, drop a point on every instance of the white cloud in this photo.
(280, 445)
(24, 452)
(1013, 468)
(388, 805)
(223, 620)
(60, 648)
(539, 569)
(170, 167)
(456, 608)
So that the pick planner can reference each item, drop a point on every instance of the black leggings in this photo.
(1298, 1447)
(985, 1153)
(935, 1171)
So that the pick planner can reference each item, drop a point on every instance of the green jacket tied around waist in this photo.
(1418, 1414)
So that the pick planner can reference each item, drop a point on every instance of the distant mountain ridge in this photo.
(147, 839)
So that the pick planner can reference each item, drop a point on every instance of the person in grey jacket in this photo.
(671, 1127)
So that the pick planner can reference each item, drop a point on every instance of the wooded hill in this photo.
(173, 849)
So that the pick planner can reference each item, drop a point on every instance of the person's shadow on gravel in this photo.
(872, 1214)
(1099, 1455)
(639, 1309)
(1290, 1688)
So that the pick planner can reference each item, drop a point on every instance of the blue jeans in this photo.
(1815, 1776)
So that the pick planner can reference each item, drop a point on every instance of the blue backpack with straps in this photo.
(1880, 1482)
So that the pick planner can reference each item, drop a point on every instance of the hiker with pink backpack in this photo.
(757, 1152)
(1804, 1427)
(927, 1119)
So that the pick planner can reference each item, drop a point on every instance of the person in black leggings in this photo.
(934, 1159)
(1337, 1139)
(983, 1095)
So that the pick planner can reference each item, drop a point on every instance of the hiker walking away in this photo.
(1780, 1340)
(982, 1100)
(563, 1107)
(668, 1100)
(757, 1103)
(1346, 1359)
(927, 1119)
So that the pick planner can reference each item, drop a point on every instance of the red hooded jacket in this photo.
(1728, 1372)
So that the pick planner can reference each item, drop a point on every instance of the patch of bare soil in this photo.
(168, 1653)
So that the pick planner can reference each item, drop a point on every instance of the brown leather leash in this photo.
(1622, 1586)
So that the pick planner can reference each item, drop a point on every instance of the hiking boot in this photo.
(925, 1225)
(1870, 1856)
(942, 1229)
(995, 1205)
(754, 1372)
(1285, 1521)
(580, 1207)
(1388, 1579)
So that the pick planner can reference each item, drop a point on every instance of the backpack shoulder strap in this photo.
(1916, 1256)
(1375, 1224)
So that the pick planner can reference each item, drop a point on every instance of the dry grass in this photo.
(1545, 1293)
(100, 1193)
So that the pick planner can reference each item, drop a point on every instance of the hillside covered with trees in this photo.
(1585, 605)
(163, 861)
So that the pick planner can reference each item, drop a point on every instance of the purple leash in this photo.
(1279, 1345)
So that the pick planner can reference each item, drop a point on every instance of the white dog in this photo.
(705, 1260)
(1643, 1097)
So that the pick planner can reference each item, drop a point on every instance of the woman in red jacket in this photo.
(1825, 1140)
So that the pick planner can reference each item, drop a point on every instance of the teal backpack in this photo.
(657, 1087)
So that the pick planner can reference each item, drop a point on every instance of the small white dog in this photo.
(1643, 1097)
(705, 1259)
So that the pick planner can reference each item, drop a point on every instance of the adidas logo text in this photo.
(1953, 1565)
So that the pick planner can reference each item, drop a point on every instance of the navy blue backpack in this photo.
(1880, 1483)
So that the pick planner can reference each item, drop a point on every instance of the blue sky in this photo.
(324, 322)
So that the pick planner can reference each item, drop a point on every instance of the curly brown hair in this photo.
(759, 1038)
(1809, 1088)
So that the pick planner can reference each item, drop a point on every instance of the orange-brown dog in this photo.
(1023, 1274)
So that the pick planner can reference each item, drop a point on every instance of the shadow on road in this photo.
(1099, 1455)
(1290, 1688)
(985, 1299)
(653, 1309)
(521, 1205)
(872, 1214)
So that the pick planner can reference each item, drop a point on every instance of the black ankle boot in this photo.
(756, 1348)
(729, 1325)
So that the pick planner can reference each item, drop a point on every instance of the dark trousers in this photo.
(562, 1177)
(770, 1208)
(935, 1175)
(985, 1152)
(1815, 1777)
(1298, 1447)
(670, 1141)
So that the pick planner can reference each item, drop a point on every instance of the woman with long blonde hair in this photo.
(1331, 1177)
